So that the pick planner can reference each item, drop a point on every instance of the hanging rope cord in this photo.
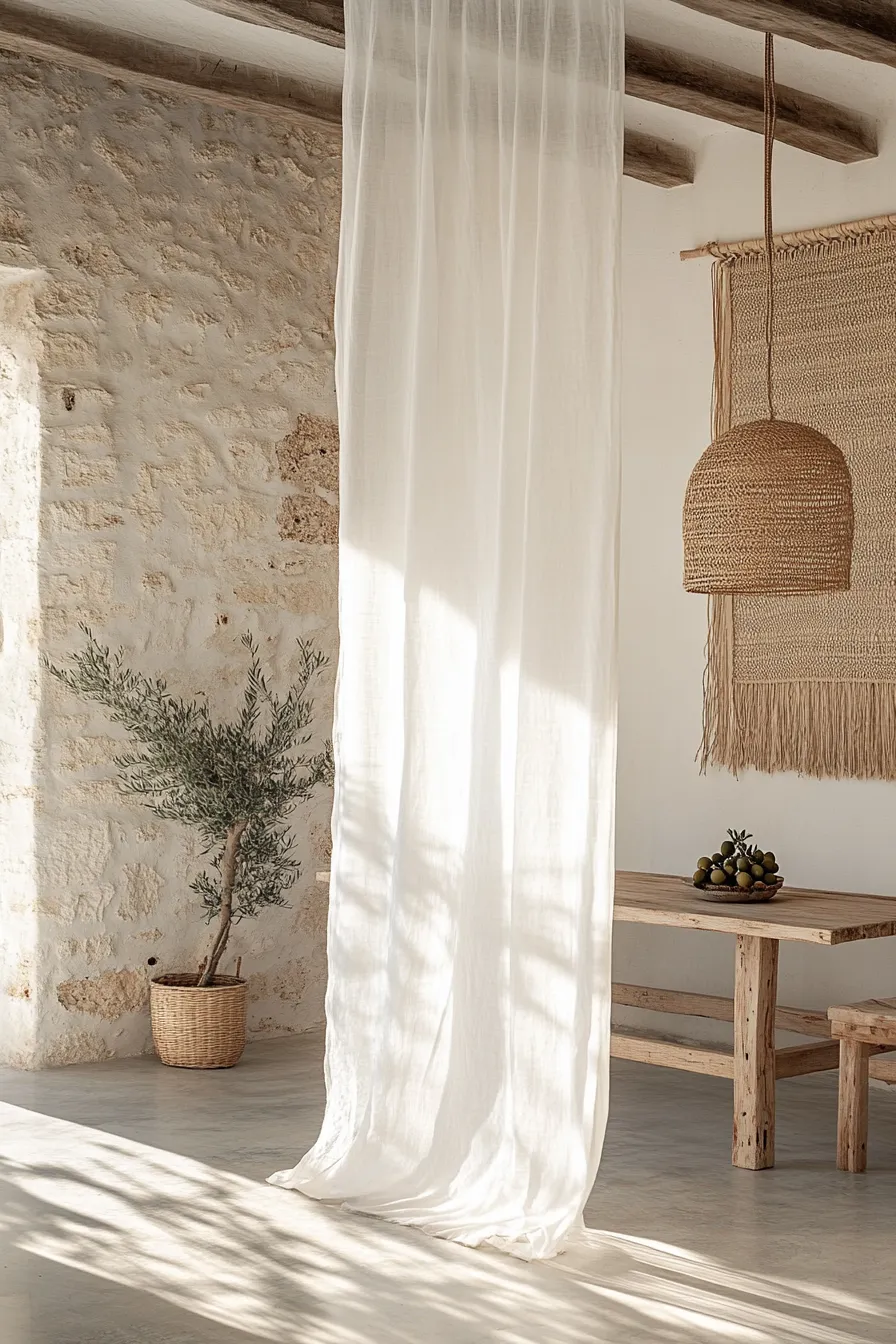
(771, 120)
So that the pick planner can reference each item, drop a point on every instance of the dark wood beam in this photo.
(169, 69)
(321, 20)
(646, 158)
(655, 74)
(161, 66)
(862, 28)
(659, 75)
(656, 161)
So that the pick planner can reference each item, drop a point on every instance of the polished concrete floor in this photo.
(134, 1211)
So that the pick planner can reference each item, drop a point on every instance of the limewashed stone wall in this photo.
(166, 359)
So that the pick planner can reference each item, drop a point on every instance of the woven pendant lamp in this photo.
(768, 508)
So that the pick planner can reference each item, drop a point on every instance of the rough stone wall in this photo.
(185, 314)
(19, 651)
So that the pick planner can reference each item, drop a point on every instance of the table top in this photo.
(795, 915)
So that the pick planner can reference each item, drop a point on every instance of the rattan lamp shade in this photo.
(768, 509)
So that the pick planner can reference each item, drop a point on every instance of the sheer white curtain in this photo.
(469, 997)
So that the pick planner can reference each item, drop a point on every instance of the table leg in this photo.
(852, 1111)
(755, 995)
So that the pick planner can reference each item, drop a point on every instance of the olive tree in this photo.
(235, 782)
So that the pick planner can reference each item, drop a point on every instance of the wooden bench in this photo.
(864, 1030)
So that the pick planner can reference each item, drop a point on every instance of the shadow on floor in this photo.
(134, 1210)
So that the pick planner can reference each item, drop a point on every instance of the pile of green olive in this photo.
(737, 863)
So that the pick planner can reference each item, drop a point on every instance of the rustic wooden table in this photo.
(826, 918)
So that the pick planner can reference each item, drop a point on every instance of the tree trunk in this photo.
(229, 864)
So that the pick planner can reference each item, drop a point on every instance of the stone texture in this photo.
(179, 346)
(286, 983)
(20, 451)
(321, 843)
(20, 984)
(309, 459)
(79, 752)
(309, 456)
(109, 995)
(311, 916)
(82, 515)
(142, 891)
(79, 843)
(67, 1046)
(98, 948)
(69, 904)
(308, 518)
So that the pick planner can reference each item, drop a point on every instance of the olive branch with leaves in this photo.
(236, 783)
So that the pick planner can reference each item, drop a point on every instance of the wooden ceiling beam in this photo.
(674, 79)
(320, 20)
(659, 75)
(862, 28)
(655, 74)
(169, 69)
(645, 158)
(655, 161)
(161, 66)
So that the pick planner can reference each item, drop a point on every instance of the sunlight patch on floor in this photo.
(276, 1266)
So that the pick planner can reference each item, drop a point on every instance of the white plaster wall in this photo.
(834, 834)
(185, 318)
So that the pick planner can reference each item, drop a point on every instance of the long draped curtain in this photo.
(471, 891)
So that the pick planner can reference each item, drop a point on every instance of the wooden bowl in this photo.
(734, 895)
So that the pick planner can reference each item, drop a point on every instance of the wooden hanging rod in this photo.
(801, 238)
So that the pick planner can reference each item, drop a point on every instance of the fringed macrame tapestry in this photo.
(809, 683)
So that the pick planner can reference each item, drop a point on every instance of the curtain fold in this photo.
(471, 895)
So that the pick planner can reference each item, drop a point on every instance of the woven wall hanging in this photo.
(768, 507)
(808, 683)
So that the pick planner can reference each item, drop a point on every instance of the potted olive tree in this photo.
(236, 783)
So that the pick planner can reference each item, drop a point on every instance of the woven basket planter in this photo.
(198, 1028)
(769, 509)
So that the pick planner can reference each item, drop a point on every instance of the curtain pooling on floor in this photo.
(469, 993)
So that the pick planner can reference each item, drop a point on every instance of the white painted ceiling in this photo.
(859, 85)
